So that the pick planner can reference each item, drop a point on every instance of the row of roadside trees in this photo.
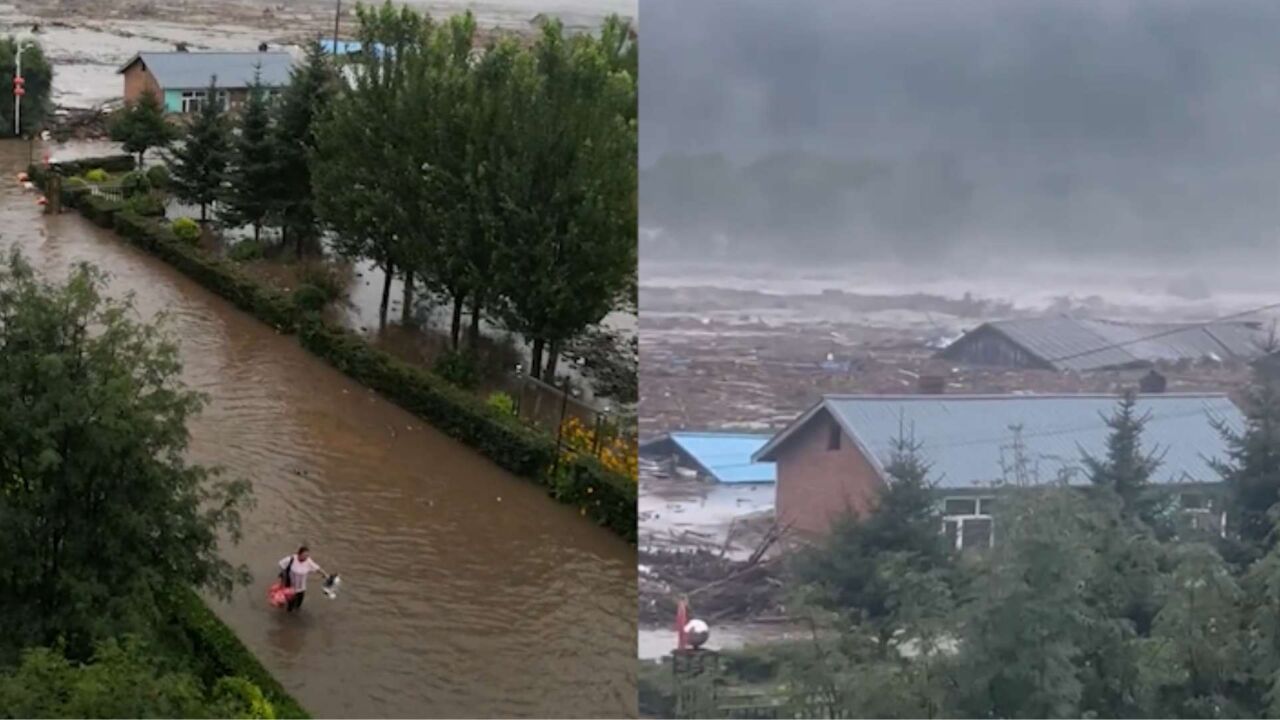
(1094, 602)
(499, 176)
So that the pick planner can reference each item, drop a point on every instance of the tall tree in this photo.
(1251, 470)
(141, 125)
(306, 99)
(568, 216)
(100, 513)
(1127, 468)
(361, 173)
(251, 173)
(37, 75)
(199, 165)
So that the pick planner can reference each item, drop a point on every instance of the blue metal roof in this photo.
(346, 47)
(727, 456)
(235, 70)
(967, 439)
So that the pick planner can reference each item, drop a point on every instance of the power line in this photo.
(1163, 333)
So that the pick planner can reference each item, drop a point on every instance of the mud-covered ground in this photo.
(88, 40)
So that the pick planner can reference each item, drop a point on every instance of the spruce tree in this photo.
(251, 174)
(141, 125)
(309, 93)
(1126, 468)
(197, 167)
(1251, 471)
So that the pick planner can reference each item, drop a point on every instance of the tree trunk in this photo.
(455, 327)
(553, 359)
(257, 232)
(284, 236)
(204, 213)
(406, 311)
(386, 295)
(473, 333)
(535, 364)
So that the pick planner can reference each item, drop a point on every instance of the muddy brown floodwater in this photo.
(466, 591)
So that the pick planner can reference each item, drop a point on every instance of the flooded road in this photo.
(466, 592)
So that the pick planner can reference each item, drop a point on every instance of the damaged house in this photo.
(711, 456)
(831, 460)
(1081, 345)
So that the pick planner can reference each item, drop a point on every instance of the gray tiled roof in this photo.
(1085, 344)
(966, 437)
(193, 70)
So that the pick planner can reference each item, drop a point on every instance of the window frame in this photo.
(193, 101)
(981, 506)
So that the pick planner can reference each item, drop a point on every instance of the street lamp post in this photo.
(18, 89)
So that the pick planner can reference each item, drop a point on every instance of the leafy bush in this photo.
(158, 176)
(186, 230)
(245, 251)
(149, 205)
(310, 298)
(97, 175)
(502, 403)
(458, 368)
(324, 277)
(135, 184)
(76, 182)
(100, 209)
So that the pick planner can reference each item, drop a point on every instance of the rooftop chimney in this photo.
(1153, 383)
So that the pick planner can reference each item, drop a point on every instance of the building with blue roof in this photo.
(181, 79)
(831, 460)
(715, 456)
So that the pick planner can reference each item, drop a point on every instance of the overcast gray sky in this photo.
(1065, 124)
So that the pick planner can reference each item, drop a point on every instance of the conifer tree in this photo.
(141, 125)
(197, 167)
(251, 173)
(293, 135)
(1251, 471)
(1126, 468)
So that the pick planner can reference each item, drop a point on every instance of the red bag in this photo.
(279, 595)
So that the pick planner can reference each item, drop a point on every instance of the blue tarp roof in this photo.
(966, 438)
(726, 456)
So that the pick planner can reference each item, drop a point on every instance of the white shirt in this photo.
(299, 572)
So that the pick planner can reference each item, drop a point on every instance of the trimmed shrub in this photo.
(150, 204)
(186, 230)
(134, 184)
(458, 368)
(97, 175)
(100, 209)
(245, 251)
(221, 653)
(310, 298)
(158, 176)
(501, 403)
(607, 497)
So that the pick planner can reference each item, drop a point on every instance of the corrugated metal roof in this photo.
(1087, 344)
(193, 70)
(727, 456)
(966, 438)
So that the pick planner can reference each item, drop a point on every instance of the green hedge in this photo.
(220, 653)
(608, 498)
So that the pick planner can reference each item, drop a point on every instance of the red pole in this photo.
(682, 619)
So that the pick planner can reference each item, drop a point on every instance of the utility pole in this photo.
(337, 18)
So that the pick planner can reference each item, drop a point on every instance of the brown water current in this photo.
(467, 592)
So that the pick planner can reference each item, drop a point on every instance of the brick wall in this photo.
(137, 79)
(817, 484)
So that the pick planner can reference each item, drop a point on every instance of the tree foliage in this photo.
(252, 170)
(125, 679)
(199, 164)
(311, 86)
(141, 125)
(99, 511)
(37, 102)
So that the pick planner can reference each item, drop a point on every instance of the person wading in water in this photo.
(294, 570)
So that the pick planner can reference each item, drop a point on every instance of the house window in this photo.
(967, 522)
(1203, 512)
(224, 100)
(833, 439)
(192, 100)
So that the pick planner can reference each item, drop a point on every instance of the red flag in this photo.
(682, 619)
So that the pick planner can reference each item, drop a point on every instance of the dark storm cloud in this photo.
(1056, 124)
